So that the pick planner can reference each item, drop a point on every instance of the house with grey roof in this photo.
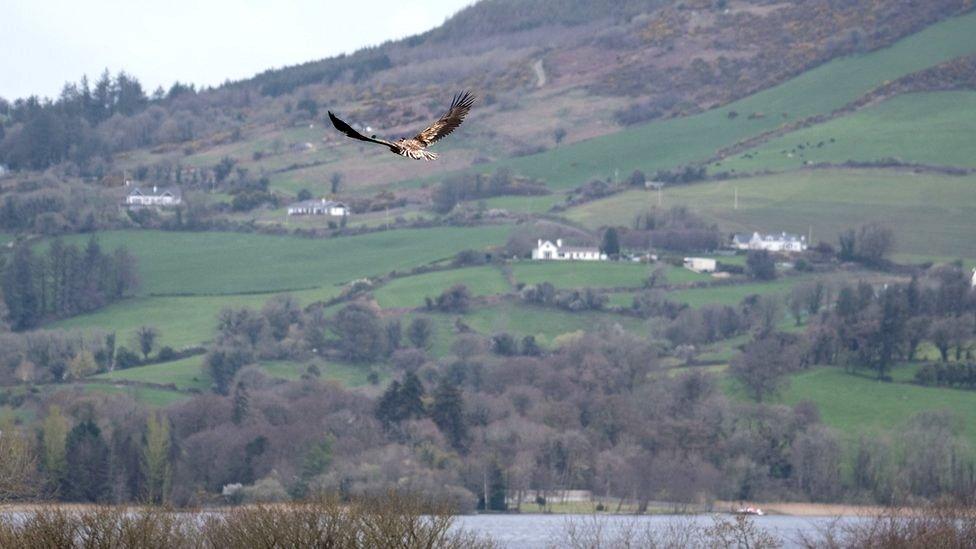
(319, 207)
(782, 242)
(547, 250)
(139, 197)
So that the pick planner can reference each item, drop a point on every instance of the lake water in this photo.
(540, 531)
(543, 531)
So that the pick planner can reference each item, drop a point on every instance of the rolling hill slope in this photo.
(933, 128)
(671, 143)
(930, 214)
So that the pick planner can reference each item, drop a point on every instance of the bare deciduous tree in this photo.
(17, 463)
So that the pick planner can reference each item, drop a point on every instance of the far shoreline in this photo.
(788, 509)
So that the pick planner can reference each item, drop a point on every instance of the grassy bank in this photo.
(924, 128)
(935, 214)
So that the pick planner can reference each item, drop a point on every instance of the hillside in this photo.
(414, 343)
(598, 60)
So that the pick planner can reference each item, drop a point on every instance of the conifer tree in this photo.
(87, 472)
(242, 404)
(447, 412)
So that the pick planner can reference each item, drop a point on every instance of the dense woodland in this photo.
(596, 412)
(64, 281)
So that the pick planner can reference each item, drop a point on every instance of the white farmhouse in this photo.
(783, 242)
(319, 207)
(546, 250)
(158, 196)
(701, 264)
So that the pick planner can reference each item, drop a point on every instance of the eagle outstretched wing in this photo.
(452, 119)
(350, 132)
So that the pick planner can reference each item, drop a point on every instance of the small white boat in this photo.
(750, 511)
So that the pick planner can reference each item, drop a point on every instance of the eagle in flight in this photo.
(416, 147)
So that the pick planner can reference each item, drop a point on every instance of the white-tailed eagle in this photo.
(416, 147)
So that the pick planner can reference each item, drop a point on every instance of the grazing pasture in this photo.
(146, 395)
(182, 321)
(732, 294)
(597, 274)
(525, 204)
(669, 143)
(409, 292)
(347, 374)
(184, 374)
(930, 214)
(173, 263)
(934, 128)
(720, 294)
(544, 323)
(855, 404)
(189, 373)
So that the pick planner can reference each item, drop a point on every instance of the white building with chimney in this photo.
(782, 242)
(157, 196)
(546, 250)
(319, 207)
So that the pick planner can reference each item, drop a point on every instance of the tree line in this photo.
(868, 329)
(88, 122)
(44, 132)
(64, 281)
(502, 181)
(478, 429)
(485, 423)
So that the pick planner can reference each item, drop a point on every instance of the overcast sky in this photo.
(44, 43)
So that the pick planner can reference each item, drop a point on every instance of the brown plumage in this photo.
(416, 147)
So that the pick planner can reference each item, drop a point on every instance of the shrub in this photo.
(266, 490)
(389, 520)
(457, 299)
(125, 358)
(166, 354)
(504, 344)
(760, 265)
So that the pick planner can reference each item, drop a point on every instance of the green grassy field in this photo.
(520, 320)
(854, 404)
(927, 128)
(181, 321)
(349, 375)
(411, 291)
(543, 323)
(918, 259)
(184, 374)
(280, 217)
(145, 395)
(596, 274)
(231, 263)
(678, 141)
(732, 294)
(189, 374)
(525, 204)
(930, 214)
